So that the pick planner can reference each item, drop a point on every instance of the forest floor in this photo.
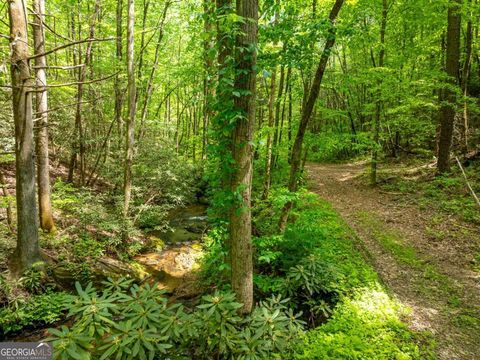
(424, 257)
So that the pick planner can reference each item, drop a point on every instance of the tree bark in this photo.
(447, 109)
(289, 118)
(296, 155)
(28, 249)
(241, 184)
(8, 207)
(278, 119)
(119, 57)
(78, 148)
(268, 160)
(464, 83)
(208, 58)
(224, 97)
(43, 165)
(378, 102)
(149, 89)
(129, 138)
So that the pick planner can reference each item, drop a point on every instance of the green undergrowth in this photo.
(33, 311)
(448, 193)
(331, 146)
(317, 267)
(29, 302)
(92, 225)
(366, 322)
(366, 325)
(129, 321)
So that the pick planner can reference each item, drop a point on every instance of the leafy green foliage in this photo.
(364, 326)
(334, 146)
(32, 311)
(214, 269)
(136, 322)
(319, 273)
(314, 263)
(35, 280)
(29, 301)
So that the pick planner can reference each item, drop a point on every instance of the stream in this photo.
(173, 266)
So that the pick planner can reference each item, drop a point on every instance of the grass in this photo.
(390, 241)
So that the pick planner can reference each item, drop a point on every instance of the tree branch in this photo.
(67, 45)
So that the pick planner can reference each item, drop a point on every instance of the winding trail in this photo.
(424, 258)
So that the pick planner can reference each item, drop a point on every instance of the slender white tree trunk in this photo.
(43, 165)
(127, 189)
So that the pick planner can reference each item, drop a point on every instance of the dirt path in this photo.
(424, 258)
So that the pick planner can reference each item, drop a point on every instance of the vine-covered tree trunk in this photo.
(28, 250)
(307, 109)
(447, 109)
(43, 165)
(240, 215)
(208, 59)
(129, 136)
(224, 101)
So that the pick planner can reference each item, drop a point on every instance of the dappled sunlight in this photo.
(367, 325)
(173, 267)
(375, 304)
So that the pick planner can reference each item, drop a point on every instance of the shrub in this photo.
(33, 311)
(136, 322)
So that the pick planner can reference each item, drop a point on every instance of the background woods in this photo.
(174, 141)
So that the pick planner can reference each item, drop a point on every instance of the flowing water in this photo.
(173, 266)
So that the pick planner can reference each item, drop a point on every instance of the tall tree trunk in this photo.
(290, 115)
(296, 156)
(8, 204)
(78, 148)
(241, 184)
(146, 5)
(465, 78)
(129, 138)
(119, 57)
(278, 120)
(224, 98)
(43, 166)
(268, 160)
(282, 121)
(447, 109)
(208, 11)
(28, 249)
(149, 88)
(378, 102)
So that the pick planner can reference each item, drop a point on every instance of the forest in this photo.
(240, 179)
